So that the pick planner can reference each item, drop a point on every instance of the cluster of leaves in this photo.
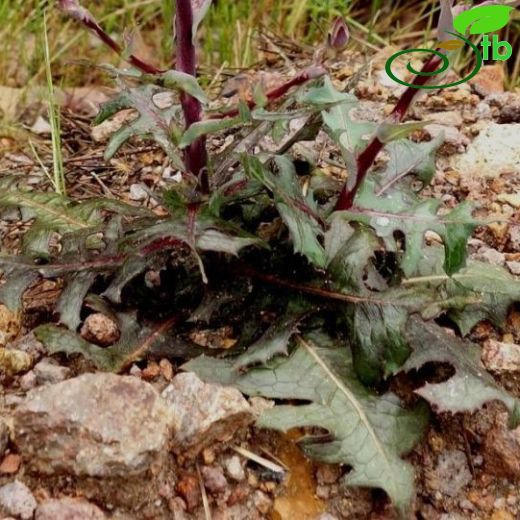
(340, 297)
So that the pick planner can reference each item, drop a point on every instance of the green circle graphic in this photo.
(445, 65)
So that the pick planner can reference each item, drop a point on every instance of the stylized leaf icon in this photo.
(484, 19)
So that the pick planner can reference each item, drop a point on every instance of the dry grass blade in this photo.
(271, 466)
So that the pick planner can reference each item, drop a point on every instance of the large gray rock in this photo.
(94, 425)
(68, 509)
(17, 500)
(204, 413)
(496, 150)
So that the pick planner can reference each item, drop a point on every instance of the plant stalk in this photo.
(82, 15)
(367, 157)
(308, 74)
(195, 156)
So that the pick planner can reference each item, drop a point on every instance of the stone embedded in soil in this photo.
(189, 489)
(100, 329)
(94, 425)
(490, 256)
(501, 357)
(10, 325)
(234, 468)
(448, 118)
(510, 113)
(68, 509)
(214, 480)
(16, 499)
(514, 268)
(514, 237)
(496, 150)
(204, 413)
(4, 436)
(262, 502)
(30, 345)
(138, 192)
(13, 362)
(489, 80)
(501, 449)
(450, 474)
(502, 514)
(453, 137)
(47, 372)
(10, 464)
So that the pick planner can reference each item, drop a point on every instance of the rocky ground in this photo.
(160, 444)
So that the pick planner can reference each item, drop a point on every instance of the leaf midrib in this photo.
(28, 201)
(351, 398)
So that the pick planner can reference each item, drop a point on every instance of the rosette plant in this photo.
(327, 286)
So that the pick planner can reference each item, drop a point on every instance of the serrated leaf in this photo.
(408, 157)
(496, 288)
(151, 121)
(336, 236)
(299, 213)
(374, 331)
(376, 335)
(132, 267)
(71, 299)
(21, 272)
(350, 263)
(16, 283)
(350, 135)
(54, 213)
(493, 289)
(369, 432)
(470, 387)
(275, 341)
(136, 340)
(400, 209)
(204, 234)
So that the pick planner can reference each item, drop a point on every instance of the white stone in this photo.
(495, 151)
(501, 357)
(204, 413)
(138, 192)
(16, 499)
(234, 468)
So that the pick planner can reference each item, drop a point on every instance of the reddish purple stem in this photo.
(82, 15)
(195, 156)
(367, 157)
(304, 76)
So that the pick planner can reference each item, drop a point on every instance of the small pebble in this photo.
(100, 329)
(262, 502)
(16, 499)
(214, 480)
(11, 464)
(189, 489)
(234, 468)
